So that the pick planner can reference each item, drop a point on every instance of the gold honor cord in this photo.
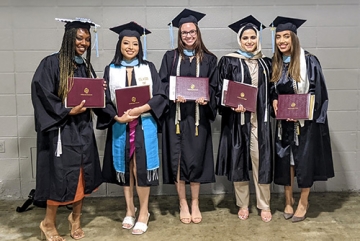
(178, 110)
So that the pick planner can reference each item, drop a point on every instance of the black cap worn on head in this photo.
(187, 16)
(247, 21)
(77, 23)
(285, 23)
(130, 29)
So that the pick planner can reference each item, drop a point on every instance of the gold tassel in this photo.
(298, 129)
(177, 128)
(196, 131)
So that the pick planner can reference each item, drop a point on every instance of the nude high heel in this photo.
(78, 233)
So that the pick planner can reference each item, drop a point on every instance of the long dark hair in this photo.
(199, 45)
(66, 60)
(294, 66)
(118, 57)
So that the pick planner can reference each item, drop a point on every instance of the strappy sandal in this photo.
(265, 218)
(78, 233)
(243, 213)
(46, 235)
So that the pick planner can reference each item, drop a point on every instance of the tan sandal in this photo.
(264, 217)
(186, 219)
(46, 235)
(76, 233)
(243, 213)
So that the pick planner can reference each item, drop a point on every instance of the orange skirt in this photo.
(79, 195)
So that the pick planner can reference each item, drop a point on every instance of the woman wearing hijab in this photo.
(131, 155)
(303, 147)
(245, 139)
(68, 165)
(187, 151)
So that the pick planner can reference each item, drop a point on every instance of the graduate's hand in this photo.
(201, 101)
(125, 118)
(180, 99)
(275, 106)
(240, 108)
(78, 109)
(288, 119)
(104, 85)
(139, 110)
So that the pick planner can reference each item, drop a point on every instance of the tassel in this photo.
(171, 36)
(272, 29)
(145, 48)
(261, 28)
(177, 128)
(197, 118)
(96, 42)
(58, 151)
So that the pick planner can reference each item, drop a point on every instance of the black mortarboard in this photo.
(130, 29)
(247, 21)
(285, 23)
(77, 23)
(187, 16)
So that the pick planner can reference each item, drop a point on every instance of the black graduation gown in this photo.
(233, 158)
(158, 104)
(57, 177)
(195, 152)
(312, 157)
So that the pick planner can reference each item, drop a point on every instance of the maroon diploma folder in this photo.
(241, 94)
(295, 106)
(89, 89)
(131, 97)
(192, 88)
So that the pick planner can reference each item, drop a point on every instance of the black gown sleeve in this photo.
(158, 102)
(165, 71)
(317, 87)
(211, 107)
(50, 112)
(105, 116)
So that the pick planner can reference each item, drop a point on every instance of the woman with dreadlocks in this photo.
(68, 164)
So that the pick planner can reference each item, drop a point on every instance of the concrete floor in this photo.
(331, 216)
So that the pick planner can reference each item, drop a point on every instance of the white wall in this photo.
(28, 33)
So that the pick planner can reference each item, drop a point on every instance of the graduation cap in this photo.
(82, 23)
(77, 23)
(285, 23)
(247, 21)
(187, 16)
(130, 29)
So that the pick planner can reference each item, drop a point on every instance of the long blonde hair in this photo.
(294, 67)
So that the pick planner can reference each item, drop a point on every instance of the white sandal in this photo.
(129, 221)
(142, 227)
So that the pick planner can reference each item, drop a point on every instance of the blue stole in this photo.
(245, 54)
(286, 59)
(119, 136)
(189, 52)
